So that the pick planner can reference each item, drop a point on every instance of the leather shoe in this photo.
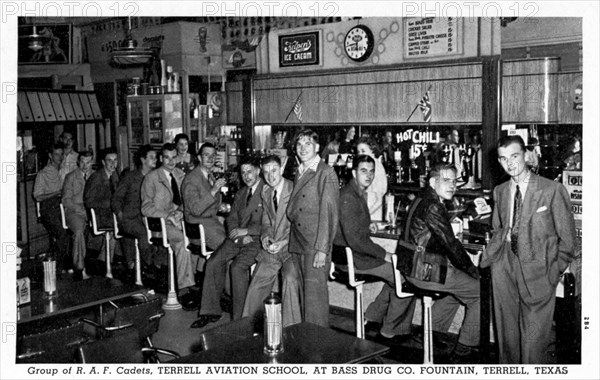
(204, 320)
(189, 302)
(463, 354)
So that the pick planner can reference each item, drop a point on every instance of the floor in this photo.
(176, 334)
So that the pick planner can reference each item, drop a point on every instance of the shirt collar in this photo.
(522, 185)
(253, 189)
(167, 173)
(279, 188)
(312, 165)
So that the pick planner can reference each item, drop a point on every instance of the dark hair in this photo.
(142, 152)
(205, 145)
(84, 153)
(438, 168)
(306, 132)
(179, 137)
(62, 135)
(55, 146)
(271, 159)
(168, 146)
(360, 159)
(249, 160)
(507, 140)
(106, 151)
(371, 143)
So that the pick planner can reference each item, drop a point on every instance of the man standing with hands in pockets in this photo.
(532, 245)
(313, 213)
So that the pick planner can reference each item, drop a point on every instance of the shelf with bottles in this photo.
(551, 148)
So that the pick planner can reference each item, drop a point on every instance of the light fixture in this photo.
(130, 55)
(35, 41)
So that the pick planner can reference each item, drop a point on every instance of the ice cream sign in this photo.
(299, 49)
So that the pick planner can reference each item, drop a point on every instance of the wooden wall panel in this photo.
(529, 91)
(235, 113)
(567, 82)
(373, 97)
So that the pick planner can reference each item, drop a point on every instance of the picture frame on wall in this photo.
(50, 44)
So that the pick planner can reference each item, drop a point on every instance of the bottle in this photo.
(273, 333)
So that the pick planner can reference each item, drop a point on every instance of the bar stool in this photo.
(427, 297)
(356, 281)
(138, 264)
(63, 218)
(196, 232)
(159, 227)
(106, 231)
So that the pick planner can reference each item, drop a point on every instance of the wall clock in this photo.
(359, 43)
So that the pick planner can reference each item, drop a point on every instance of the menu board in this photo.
(432, 37)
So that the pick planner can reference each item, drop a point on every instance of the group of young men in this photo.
(292, 227)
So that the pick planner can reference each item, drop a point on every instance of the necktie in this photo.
(517, 206)
(249, 196)
(275, 199)
(211, 179)
(85, 176)
(175, 189)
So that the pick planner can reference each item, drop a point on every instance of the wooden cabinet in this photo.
(153, 119)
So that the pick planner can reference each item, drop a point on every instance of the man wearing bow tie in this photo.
(532, 245)
(241, 245)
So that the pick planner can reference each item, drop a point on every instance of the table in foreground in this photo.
(304, 343)
(73, 295)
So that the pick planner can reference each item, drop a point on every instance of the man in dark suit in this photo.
(274, 237)
(370, 258)
(161, 198)
(430, 229)
(202, 197)
(126, 204)
(97, 193)
(532, 245)
(313, 213)
(242, 245)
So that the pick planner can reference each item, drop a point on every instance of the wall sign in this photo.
(299, 49)
(432, 37)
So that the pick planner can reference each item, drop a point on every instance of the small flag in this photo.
(298, 107)
(425, 106)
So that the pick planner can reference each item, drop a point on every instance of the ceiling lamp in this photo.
(129, 55)
(35, 40)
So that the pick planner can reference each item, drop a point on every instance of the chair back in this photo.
(53, 346)
(62, 217)
(398, 279)
(121, 347)
(196, 232)
(38, 214)
(228, 333)
(156, 229)
(116, 226)
(144, 316)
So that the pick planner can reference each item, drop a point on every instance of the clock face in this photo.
(359, 43)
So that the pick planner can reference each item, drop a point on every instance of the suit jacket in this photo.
(97, 194)
(127, 198)
(354, 228)
(157, 195)
(313, 210)
(546, 243)
(72, 193)
(199, 204)
(276, 225)
(247, 216)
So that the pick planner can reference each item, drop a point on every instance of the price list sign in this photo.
(432, 37)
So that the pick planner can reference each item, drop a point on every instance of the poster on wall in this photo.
(432, 37)
(43, 44)
(299, 49)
